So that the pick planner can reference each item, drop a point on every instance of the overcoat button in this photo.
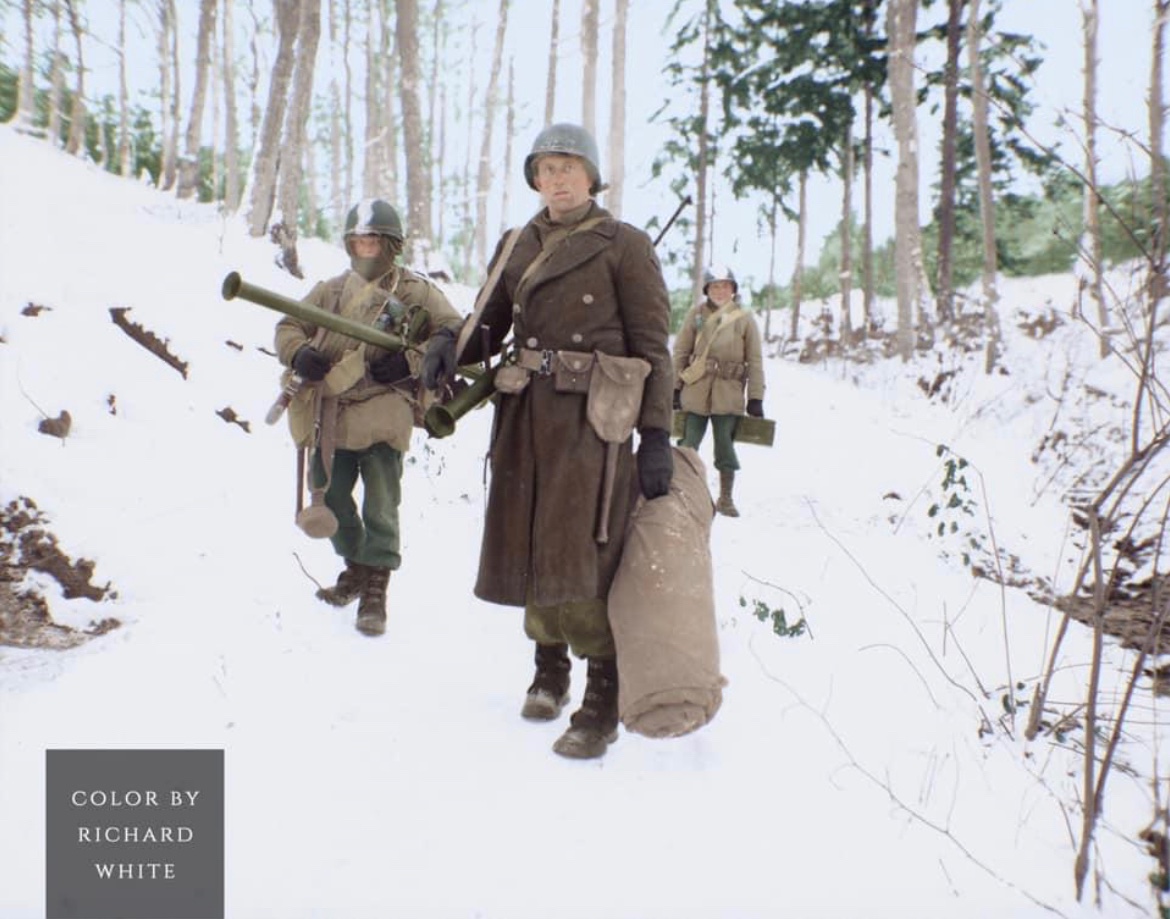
(532, 343)
(588, 298)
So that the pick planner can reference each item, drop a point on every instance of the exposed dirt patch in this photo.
(25, 620)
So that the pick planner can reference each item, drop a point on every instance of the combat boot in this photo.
(725, 505)
(594, 726)
(348, 587)
(549, 692)
(371, 614)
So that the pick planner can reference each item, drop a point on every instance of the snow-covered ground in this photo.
(865, 768)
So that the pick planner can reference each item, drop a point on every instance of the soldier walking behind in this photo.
(717, 358)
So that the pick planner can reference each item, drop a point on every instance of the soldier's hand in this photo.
(389, 367)
(755, 408)
(438, 364)
(678, 400)
(310, 363)
(655, 463)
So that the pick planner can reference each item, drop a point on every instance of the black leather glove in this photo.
(678, 400)
(755, 408)
(655, 462)
(311, 364)
(438, 364)
(389, 367)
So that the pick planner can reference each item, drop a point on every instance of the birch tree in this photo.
(189, 164)
(986, 201)
(483, 186)
(23, 117)
(337, 201)
(616, 166)
(1091, 262)
(550, 90)
(589, 26)
(231, 160)
(294, 138)
(75, 143)
(418, 192)
(125, 166)
(697, 250)
(901, 24)
(509, 133)
(1158, 182)
(267, 159)
(946, 196)
(170, 87)
(56, 79)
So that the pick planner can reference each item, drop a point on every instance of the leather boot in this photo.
(594, 726)
(371, 614)
(348, 587)
(549, 692)
(725, 505)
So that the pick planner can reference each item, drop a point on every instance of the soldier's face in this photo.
(563, 183)
(719, 292)
(365, 246)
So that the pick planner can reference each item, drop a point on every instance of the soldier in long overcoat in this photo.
(357, 411)
(574, 281)
(718, 364)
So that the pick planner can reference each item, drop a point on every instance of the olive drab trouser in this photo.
(723, 430)
(581, 624)
(373, 537)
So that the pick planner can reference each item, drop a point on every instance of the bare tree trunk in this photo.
(189, 163)
(986, 199)
(56, 80)
(372, 154)
(171, 140)
(847, 235)
(485, 151)
(24, 116)
(267, 161)
(550, 91)
(468, 229)
(772, 226)
(294, 141)
(616, 169)
(388, 103)
(1158, 190)
(418, 192)
(902, 16)
(946, 197)
(254, 113)
(701, 169)
(509, 133)
(440, 183)
(125, 166)
(1093, 267)
(216, 90)
(434, 131)
(231, 192)
(347, 29)
(337, 203)
(75, 144)
(589, 25)
(798, 268)
(867, 229)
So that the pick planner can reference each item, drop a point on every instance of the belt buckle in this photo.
(546, 359)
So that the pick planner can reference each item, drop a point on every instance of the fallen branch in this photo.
(147, 339)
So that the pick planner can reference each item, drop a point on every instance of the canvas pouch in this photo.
(572, 371)
(615, 395)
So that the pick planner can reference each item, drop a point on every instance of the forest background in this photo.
(780, 119)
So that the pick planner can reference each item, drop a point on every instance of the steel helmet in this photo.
(567, 140)
(715, 273)
(374, 216)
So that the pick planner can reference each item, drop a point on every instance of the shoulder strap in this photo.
(493, 279)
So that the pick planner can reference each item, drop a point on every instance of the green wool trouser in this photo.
(583, 625)
(723, 430)
(373, 538)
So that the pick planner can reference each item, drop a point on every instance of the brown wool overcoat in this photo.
(600, 290)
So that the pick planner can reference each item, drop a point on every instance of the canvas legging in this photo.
(723, 430)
